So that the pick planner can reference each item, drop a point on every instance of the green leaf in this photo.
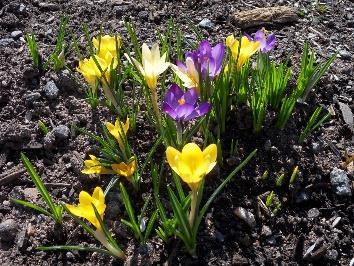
(39, 184)
(150, 225)
(32, 206)
(180, 214)
(78, 248)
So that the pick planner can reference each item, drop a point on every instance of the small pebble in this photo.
(16, 34)
(8, 230)
(246, 216)
(61, 132)
(51, 90)
(266, 231)
(340, 182)
(31, 97)
(6, 41)
(206, 23)
(313, 213)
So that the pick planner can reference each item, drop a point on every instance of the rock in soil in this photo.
(340, 182)
(61, 132)
(8, 230)
(51, 90)
(245, 216)
(206, 23)
(313, 213)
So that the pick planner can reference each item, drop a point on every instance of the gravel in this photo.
(340, 182)
(16, 34)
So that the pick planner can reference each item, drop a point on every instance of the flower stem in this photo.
(179, 133)
(194, 201)
(117, 252)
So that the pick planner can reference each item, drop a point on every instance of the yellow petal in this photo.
(75, 210)
(98, 195)
(230, 40)
(173, 157)
(85, 198)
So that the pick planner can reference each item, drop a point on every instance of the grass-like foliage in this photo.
(315, 121)
(55, 211)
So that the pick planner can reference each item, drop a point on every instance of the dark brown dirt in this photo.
(223, 239)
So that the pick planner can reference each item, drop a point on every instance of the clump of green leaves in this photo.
(313, 123)
(310, 73)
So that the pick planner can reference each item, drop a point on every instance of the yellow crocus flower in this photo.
(94, 166)
(192, 164)
(107, 44)
(243, 53)
(89, 69)
(116, 131)
(125, 169)
(152, 64)
(85, 210)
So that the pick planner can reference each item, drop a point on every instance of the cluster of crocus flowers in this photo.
(242, 49)
(182, 106)
(98, 67)
(86, 209)
(205, 61)
(266, 43)
(124, 168)
(192, 165)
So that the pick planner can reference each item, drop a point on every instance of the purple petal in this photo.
(173, 95)
(181, 66)
(184, 111)
(218, 53)
(204, 48)
(191, 96)
(203, 109)
(271, 42)
(259, 35)
(176, 90)
(248, 36)
(199, 111)
(169, 110)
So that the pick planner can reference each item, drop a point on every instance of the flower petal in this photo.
(191, 96)
(173, 157)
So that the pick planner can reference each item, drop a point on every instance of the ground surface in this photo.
(308, 211)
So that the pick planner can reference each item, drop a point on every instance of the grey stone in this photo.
(313, 213)
(332, 255)
(31, 97)
(51, 90)
(16, 34)
(61, 132)
(6, 41)
(344, 54)
(8, 230)
(246, 216)
(316, 147)
(22, 8)
(340, 182)
(65, 81)
(206, 23)
(266, 231)
(31, 194)
(347, 114)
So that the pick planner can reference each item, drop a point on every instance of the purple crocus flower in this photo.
(208, 59)
(267, 43)
(182, 106)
